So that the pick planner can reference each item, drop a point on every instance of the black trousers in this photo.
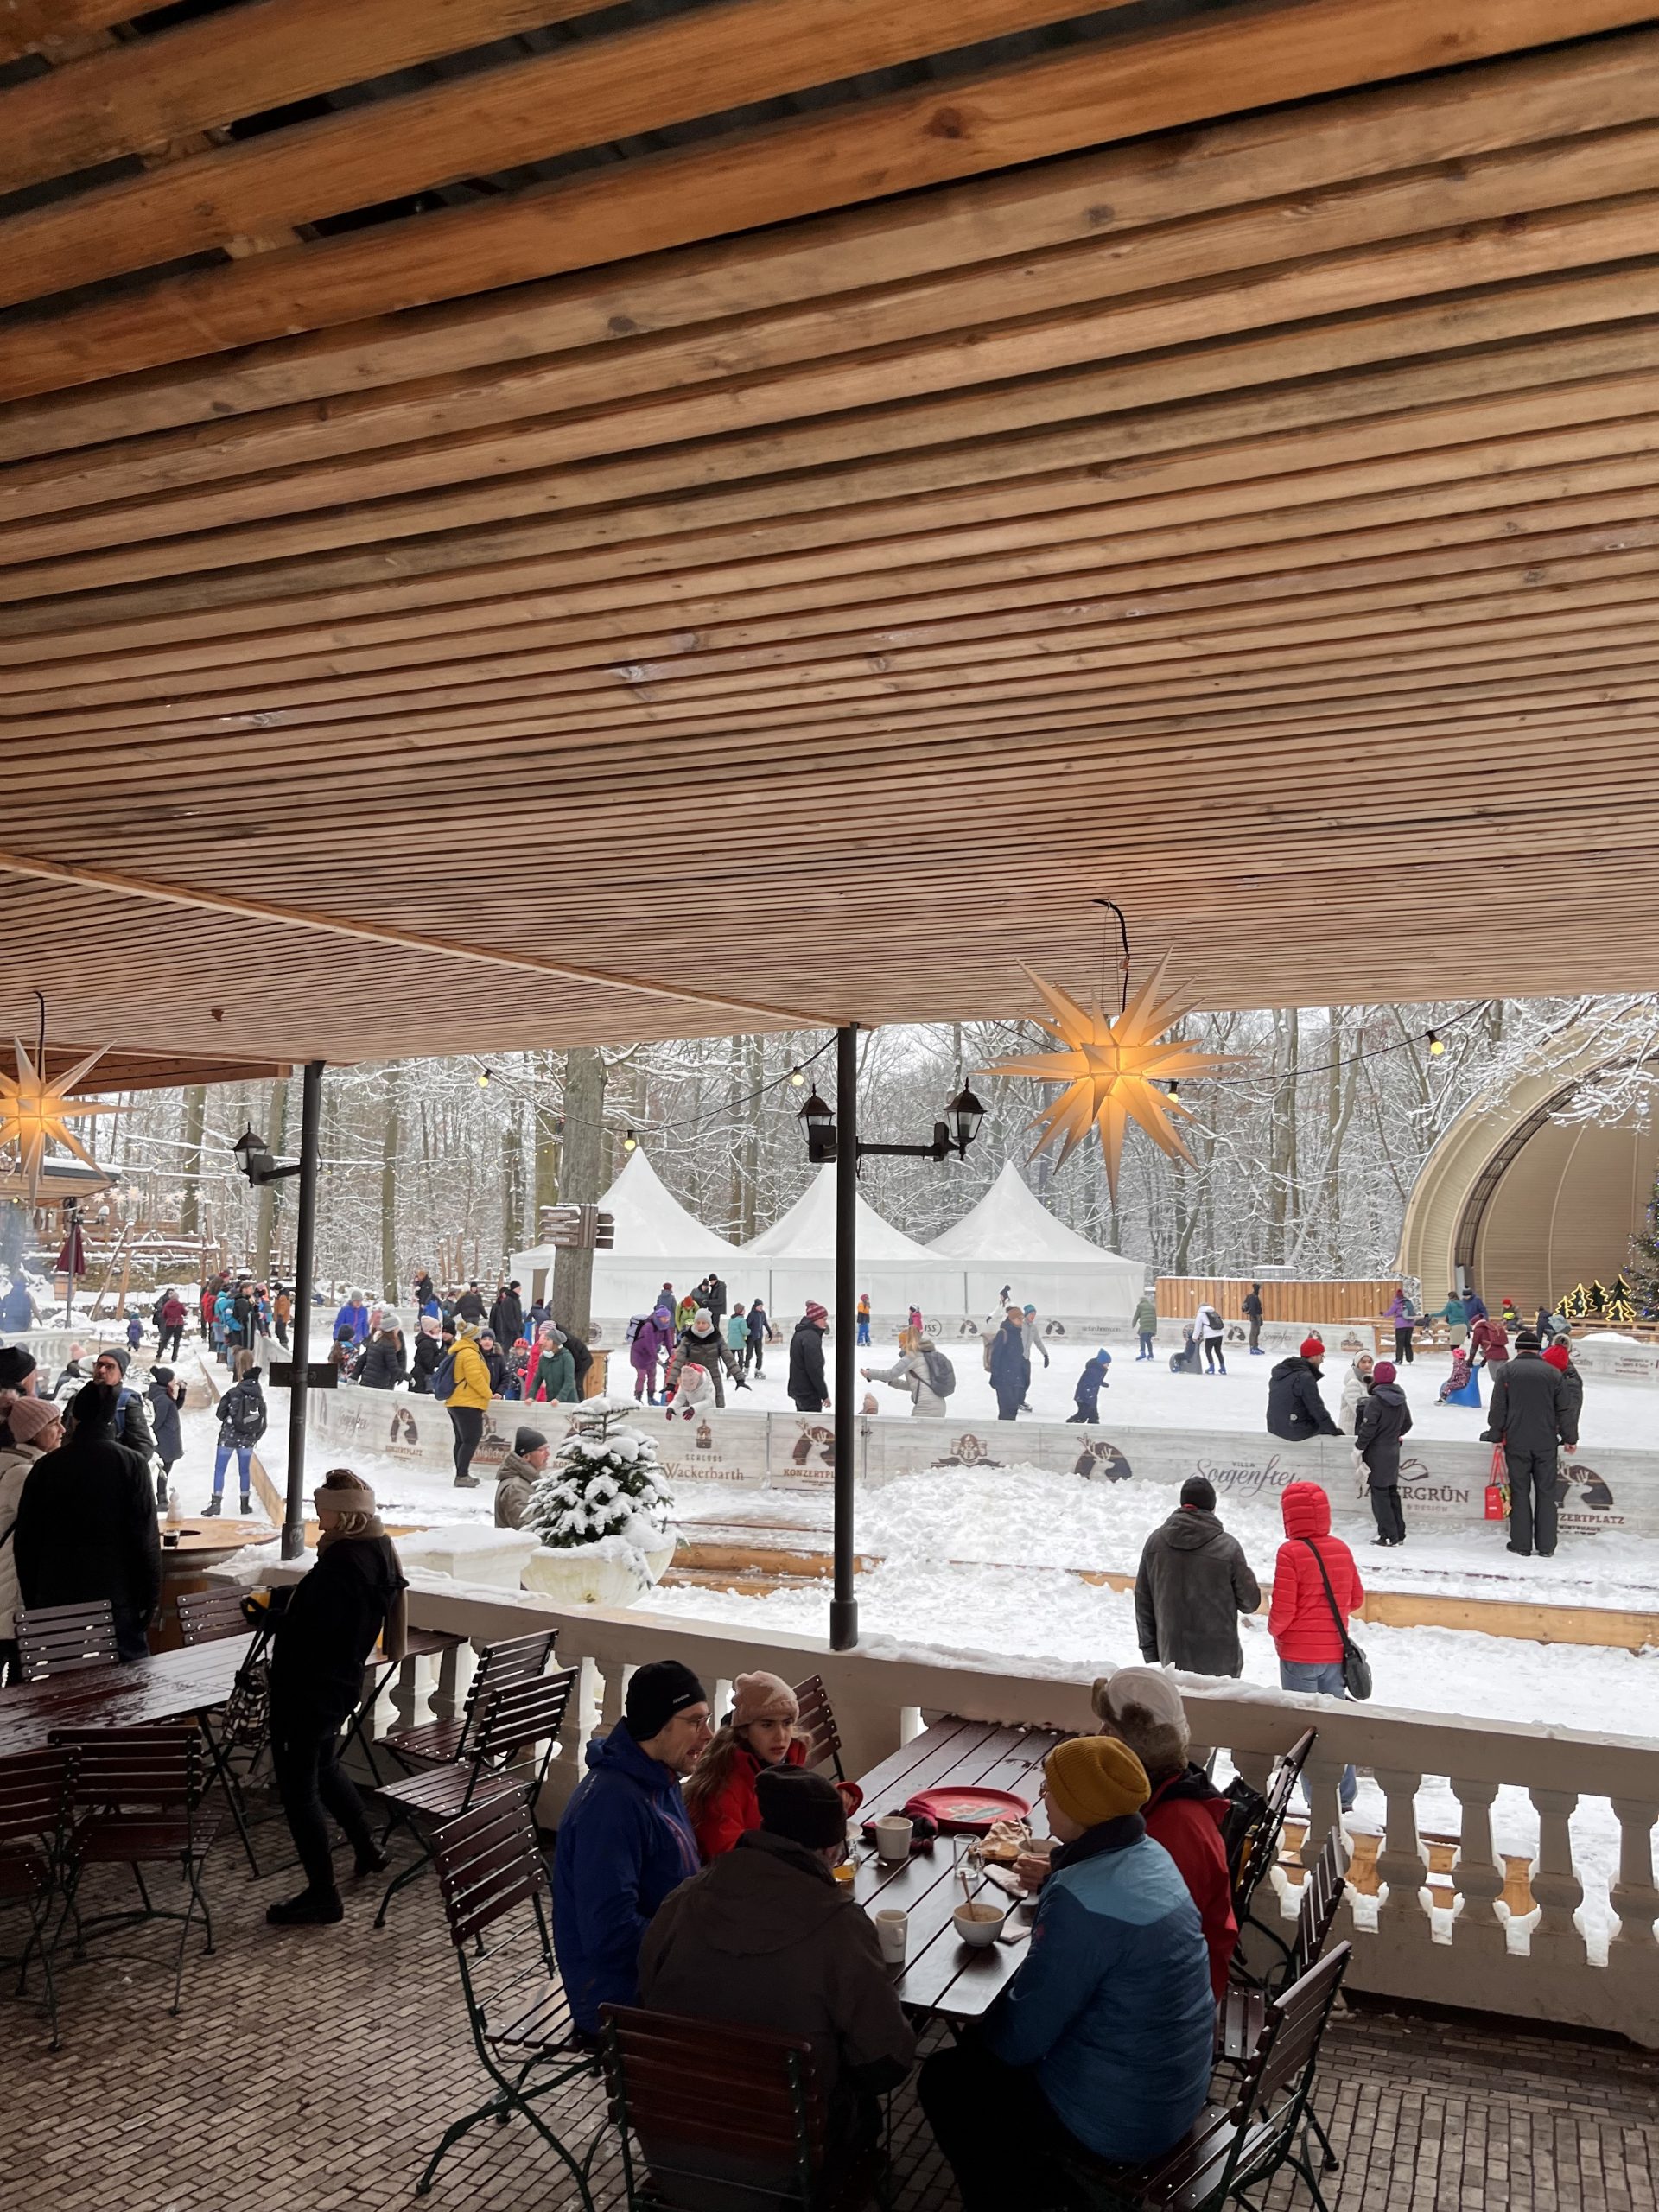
(999, 2133)
(305, 1758)
(1008, 1403)
(174, 1334)
(1212, 1354)
(468, 1421)
(1403, 1345)
(1532, 1501)
(1385, 1505)
(1255, 1333)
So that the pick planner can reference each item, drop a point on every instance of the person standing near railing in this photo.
(1316, 1586)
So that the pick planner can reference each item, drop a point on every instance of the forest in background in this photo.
(1304, 1152)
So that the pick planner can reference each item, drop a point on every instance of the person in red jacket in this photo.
(759, 1731)
(1186, 1812)
(1302, 1619)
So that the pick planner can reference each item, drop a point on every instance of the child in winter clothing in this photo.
(135, 1331)
(1458, 1379)
(1090, 1383)
(694, 1391)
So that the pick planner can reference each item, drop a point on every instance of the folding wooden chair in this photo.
(209, 1616)
(134, 1799)
(31, 1820)
(54, 1640)
(1242, 2012)
(725, 2117)
(818, 1724)
(494, 1881)
(1260, 1846)
(239, 1727)
(1232, 2151)
(436, 1743)
(515, 1720)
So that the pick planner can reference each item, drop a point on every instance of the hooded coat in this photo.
(86, 1527)
(1299, 1619)
(765, 1937)
(1144, 1321)
(652, 1340)
(1354, 1387)
(1193, 1584)
(1186, 1814)
(383, 1367)
(165, 1421)
(807, 1387)
(1295, 1409)
(355, 1316)
(515, 1478)
(326, 1632)
(1010, 1365)
(1090, 1383)
(625, 1842)
(1384, 1418)
(1491, 1340)
(553, 1379)
(1527, 1413)
(507, 1317)
(472, 1376)
(426, 1359)
(1572, 1403)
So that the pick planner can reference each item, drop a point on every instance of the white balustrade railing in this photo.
(1585, 1955)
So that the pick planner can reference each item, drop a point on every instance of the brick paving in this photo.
(314, 2071)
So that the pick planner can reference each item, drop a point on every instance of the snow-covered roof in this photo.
(1012, 1224)
(807, 1231)
(650, 1223)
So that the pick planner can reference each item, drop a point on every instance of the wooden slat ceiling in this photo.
(523, 522)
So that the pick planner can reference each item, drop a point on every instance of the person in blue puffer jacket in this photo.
(1102, 2044)
(353, 1315)
(626, 1840)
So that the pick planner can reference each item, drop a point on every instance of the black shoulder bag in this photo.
(1356, 1667)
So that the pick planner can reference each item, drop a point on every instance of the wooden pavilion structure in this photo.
(523, 521)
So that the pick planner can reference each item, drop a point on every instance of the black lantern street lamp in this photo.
(258, 1163)
(824, 1142)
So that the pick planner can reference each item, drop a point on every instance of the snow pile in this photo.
(602, 1491)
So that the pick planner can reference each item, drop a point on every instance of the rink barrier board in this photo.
(1604, 1492)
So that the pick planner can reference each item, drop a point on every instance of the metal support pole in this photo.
(843, 1607)
(305, 1237)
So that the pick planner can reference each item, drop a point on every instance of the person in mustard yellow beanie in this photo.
(1104, 2041)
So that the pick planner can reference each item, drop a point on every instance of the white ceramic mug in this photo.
(893, 1834)
(893, 1933)
(980, 1923)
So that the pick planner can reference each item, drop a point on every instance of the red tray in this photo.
(969, 1810)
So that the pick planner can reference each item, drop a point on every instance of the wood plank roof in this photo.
(523, 522)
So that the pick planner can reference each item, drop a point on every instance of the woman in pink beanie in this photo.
(758, 1731)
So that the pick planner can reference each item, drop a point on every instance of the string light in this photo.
(630, 1142)
(483, 1078)
(1175, 1092)
(798, 1077)
(1436, 1045)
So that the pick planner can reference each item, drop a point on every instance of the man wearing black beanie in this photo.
(625, 1839)
(766, 1937)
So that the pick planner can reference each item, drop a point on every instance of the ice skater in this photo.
(1090, 1383)
(1382, 1418)
(1145, 1325)
(1208, 1328)
(694, 1392)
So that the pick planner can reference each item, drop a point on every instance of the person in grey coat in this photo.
(1193, 1584)
(517, 1475)
(1381, 1419)
(1529, 1417)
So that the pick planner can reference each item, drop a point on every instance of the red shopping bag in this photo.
(1497, 1489)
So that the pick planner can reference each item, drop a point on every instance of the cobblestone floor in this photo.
(314, 2071)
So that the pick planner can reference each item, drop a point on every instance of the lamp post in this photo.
(824, 1142)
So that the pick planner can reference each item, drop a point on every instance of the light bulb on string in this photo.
(630, 1143)
(1174, 1092)
(483, 1078)
(1436, 1045)
(796, 1077)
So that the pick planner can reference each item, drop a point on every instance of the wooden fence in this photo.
(1179, 1298)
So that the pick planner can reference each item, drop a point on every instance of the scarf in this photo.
(368, 1528)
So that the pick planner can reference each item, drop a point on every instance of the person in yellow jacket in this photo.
(467, 1401)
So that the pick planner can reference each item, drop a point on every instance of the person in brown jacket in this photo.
(766, 1937)
(517, 1475)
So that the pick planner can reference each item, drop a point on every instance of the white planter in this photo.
(591, 1574)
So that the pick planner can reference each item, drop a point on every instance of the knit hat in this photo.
(1104, 1356)
(341, 1492)
(1557, 1356)
(804, 1806)
(1384, 1371)
(26, 1417)
(656, 1692)
(703, 1318)
(161, 1374)
(1028, 1309)
(1198, 1491)
(16, 1365)
(815, 1314)
(1312, 1348)
(762, 1697)
(1096, 1778)
(527, 1439)
(93, 1405)
(1527, 1340)
(119, 1353)
(1143, 1706)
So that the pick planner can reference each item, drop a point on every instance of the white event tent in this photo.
(1010, 1237)
(800, 1253)
(658, 1240)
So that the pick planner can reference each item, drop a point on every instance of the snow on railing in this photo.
(1580, 1949)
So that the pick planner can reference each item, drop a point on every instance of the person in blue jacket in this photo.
(353, 1315)
(626, 1840)
(1103, 2044)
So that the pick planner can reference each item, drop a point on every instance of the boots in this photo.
(211, 1506)
(247, 1509)
(161, 1493)
(308, 1910)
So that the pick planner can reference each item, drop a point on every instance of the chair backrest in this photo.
(1264, 1847)
(519, 1717)
(209, 1616)
(1280, 2072)
(709, 2102)
(1322, 1889)
(135, 1768)
(818, 1724)
(516, 1659)
(489, 1860)
(59, 1639)
(32, 1794)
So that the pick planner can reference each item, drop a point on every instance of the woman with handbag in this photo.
(1316, 1586)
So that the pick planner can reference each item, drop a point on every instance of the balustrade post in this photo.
(1556, 1942)
(1478, 1878)
(1400, 1863)
(1632, 1954)
(404, 1696)
(1322, 1781)
(445, 1698)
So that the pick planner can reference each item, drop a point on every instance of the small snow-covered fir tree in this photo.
(603, 1488)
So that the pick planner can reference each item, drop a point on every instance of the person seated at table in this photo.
(1142, 1707)
(36, 1429)
(625, 1839)
(766, 1937)
(85, 1526)
(324, 1635)
(758, 1732)
(1101, 2046)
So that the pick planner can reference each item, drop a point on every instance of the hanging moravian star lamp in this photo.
(1112, 1066)
(36, 1111)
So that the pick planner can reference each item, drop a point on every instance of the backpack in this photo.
(634, 1326)
(941, 1375)
(443, 1381)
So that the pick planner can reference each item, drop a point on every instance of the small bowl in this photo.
(979, 1923)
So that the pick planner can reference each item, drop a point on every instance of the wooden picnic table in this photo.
(941, 1974)
(167, 1686)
